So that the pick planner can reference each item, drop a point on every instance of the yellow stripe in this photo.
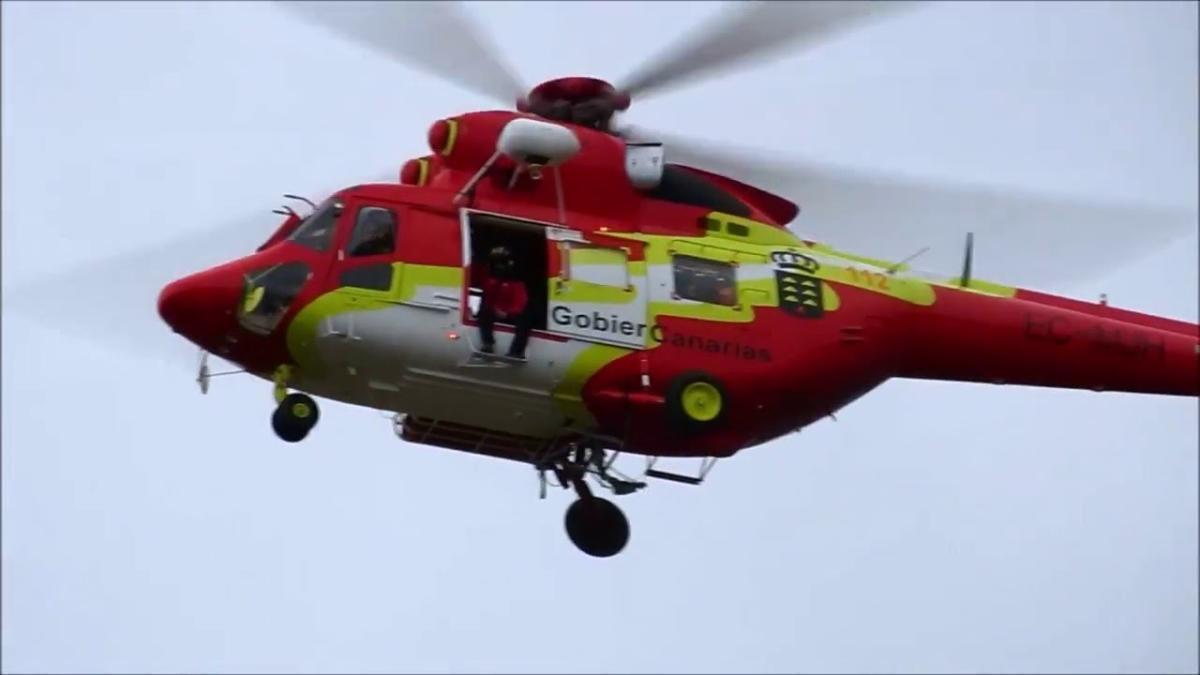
(587, 255)
(577, 290)
(451, 138)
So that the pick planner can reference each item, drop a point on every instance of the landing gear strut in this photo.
(595, 525)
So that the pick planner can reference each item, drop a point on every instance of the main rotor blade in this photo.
(437, 37)
(113, 301)
(746, 31)
(1021, 237)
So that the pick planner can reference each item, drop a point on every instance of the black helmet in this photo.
(500, 259)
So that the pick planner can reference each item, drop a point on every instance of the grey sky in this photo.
(932, 527)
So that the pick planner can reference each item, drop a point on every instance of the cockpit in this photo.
(269, 291)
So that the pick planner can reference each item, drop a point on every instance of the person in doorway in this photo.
(505, 299)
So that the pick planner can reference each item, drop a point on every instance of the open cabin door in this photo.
(597, 288)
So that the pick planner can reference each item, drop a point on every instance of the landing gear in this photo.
(295, 416)
(595, 525)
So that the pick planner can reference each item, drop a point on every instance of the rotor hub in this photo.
(581, 100)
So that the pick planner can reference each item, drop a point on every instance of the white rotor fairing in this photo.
(535, 142)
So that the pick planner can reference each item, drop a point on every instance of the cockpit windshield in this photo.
(316, 231)
(268, 294)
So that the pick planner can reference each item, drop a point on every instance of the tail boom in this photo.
(1044, 340)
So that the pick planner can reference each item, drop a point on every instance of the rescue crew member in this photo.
(505, 299)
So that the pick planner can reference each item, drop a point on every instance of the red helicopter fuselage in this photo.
(629, 353)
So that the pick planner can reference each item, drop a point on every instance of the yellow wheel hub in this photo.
(701, 401)
(301, 410)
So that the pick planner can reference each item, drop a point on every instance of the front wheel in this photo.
(295, 416)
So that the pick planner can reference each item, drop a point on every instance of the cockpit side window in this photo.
(374, 232)
(316, 232)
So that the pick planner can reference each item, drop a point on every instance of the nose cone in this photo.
(176, 302)
(202, 305)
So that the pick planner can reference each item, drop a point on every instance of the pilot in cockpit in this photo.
(375, 235)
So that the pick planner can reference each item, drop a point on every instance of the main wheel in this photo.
(597, 527)
(295, 416)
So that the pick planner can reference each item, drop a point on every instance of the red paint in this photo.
(781, 372)
(203, 307)
(439, 137)
(977, 338)
(410, 173)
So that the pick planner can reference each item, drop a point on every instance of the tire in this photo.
(597, 527)
(696, 402)
(294, 417)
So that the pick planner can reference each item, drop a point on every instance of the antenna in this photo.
(966, 274)
(896, 268)
(302, 199)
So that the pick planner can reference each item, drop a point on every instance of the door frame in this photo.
(341, 261)
(555, 235)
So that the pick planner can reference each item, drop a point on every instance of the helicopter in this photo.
(671, 311)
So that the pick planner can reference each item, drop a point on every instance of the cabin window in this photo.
(268, 293)
(705, 280)
(374, 232)
(372, 277)
(596, 265)
(316, 231)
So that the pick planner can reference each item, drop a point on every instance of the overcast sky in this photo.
(932, 527)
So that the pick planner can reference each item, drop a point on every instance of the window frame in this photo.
(568, 263)
(333, 208)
